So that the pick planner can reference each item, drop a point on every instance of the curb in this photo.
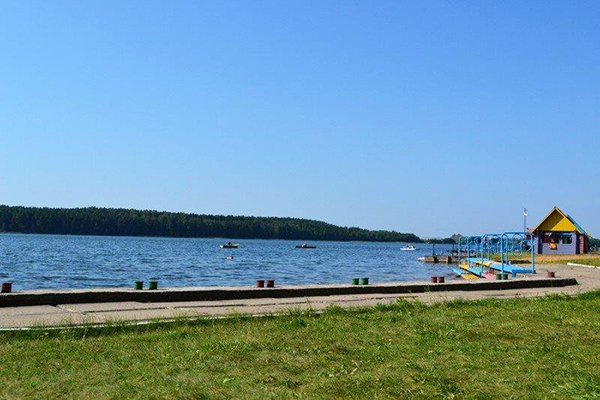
(18, 299)
(582, 265)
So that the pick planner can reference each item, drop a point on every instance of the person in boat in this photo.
(229, 244)
(304, 244)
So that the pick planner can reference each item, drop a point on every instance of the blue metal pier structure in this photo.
(480, 249)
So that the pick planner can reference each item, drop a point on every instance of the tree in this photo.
(128, 222)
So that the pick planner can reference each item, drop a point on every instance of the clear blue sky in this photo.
(431, 117)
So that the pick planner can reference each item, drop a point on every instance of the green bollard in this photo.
(498, 277)
(364, 281)
(504, 277)
(138, 285)
(355, 281)
(153, 285)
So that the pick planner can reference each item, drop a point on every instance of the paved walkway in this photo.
(98, 313)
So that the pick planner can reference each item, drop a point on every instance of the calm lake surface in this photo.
(56, 261)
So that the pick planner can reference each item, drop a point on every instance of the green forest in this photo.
(124, 222)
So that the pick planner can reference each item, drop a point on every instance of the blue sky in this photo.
(430, 117)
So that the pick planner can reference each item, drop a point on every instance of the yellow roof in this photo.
(558, 221)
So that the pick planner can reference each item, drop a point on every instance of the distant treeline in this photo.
(595, 243)
(124, 222)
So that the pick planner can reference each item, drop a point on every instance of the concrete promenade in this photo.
(78, 307)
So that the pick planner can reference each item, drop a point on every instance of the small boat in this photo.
(305, 246)
(230, 245)
(408, 247)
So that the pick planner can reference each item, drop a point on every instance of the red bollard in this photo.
(551, 274)
(441, 279)
(270, 283)
(434, 279)
(6, 287)
(260, 283)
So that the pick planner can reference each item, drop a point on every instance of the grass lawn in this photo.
(587, 259)
(536, 348)
(525, 258)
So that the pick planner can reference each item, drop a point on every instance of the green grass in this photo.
(525, 258)
(533, 348)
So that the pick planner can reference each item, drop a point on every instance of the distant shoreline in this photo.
(120, 222)
(216, 238)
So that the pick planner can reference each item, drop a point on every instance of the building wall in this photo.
(583, 244)
(540, 244)
(561, 248)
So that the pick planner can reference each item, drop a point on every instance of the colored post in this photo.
(6, 287)
(138, 285)
(532, 244)
(468, 240)
(502, 253)
(364, 281)
(355, 281)
(153, 285)
(481, 247)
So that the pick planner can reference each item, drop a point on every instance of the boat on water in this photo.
(305, 246)
(230, 245)
(408, 247)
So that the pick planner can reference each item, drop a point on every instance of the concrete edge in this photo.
(20, 299)
(156, 321)
(582, 265)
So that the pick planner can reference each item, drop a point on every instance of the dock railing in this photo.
(480, 250)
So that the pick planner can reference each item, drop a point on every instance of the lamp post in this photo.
(525, 220)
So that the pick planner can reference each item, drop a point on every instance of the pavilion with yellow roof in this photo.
(558, 233)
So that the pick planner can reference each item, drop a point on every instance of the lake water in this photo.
(56, 261)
